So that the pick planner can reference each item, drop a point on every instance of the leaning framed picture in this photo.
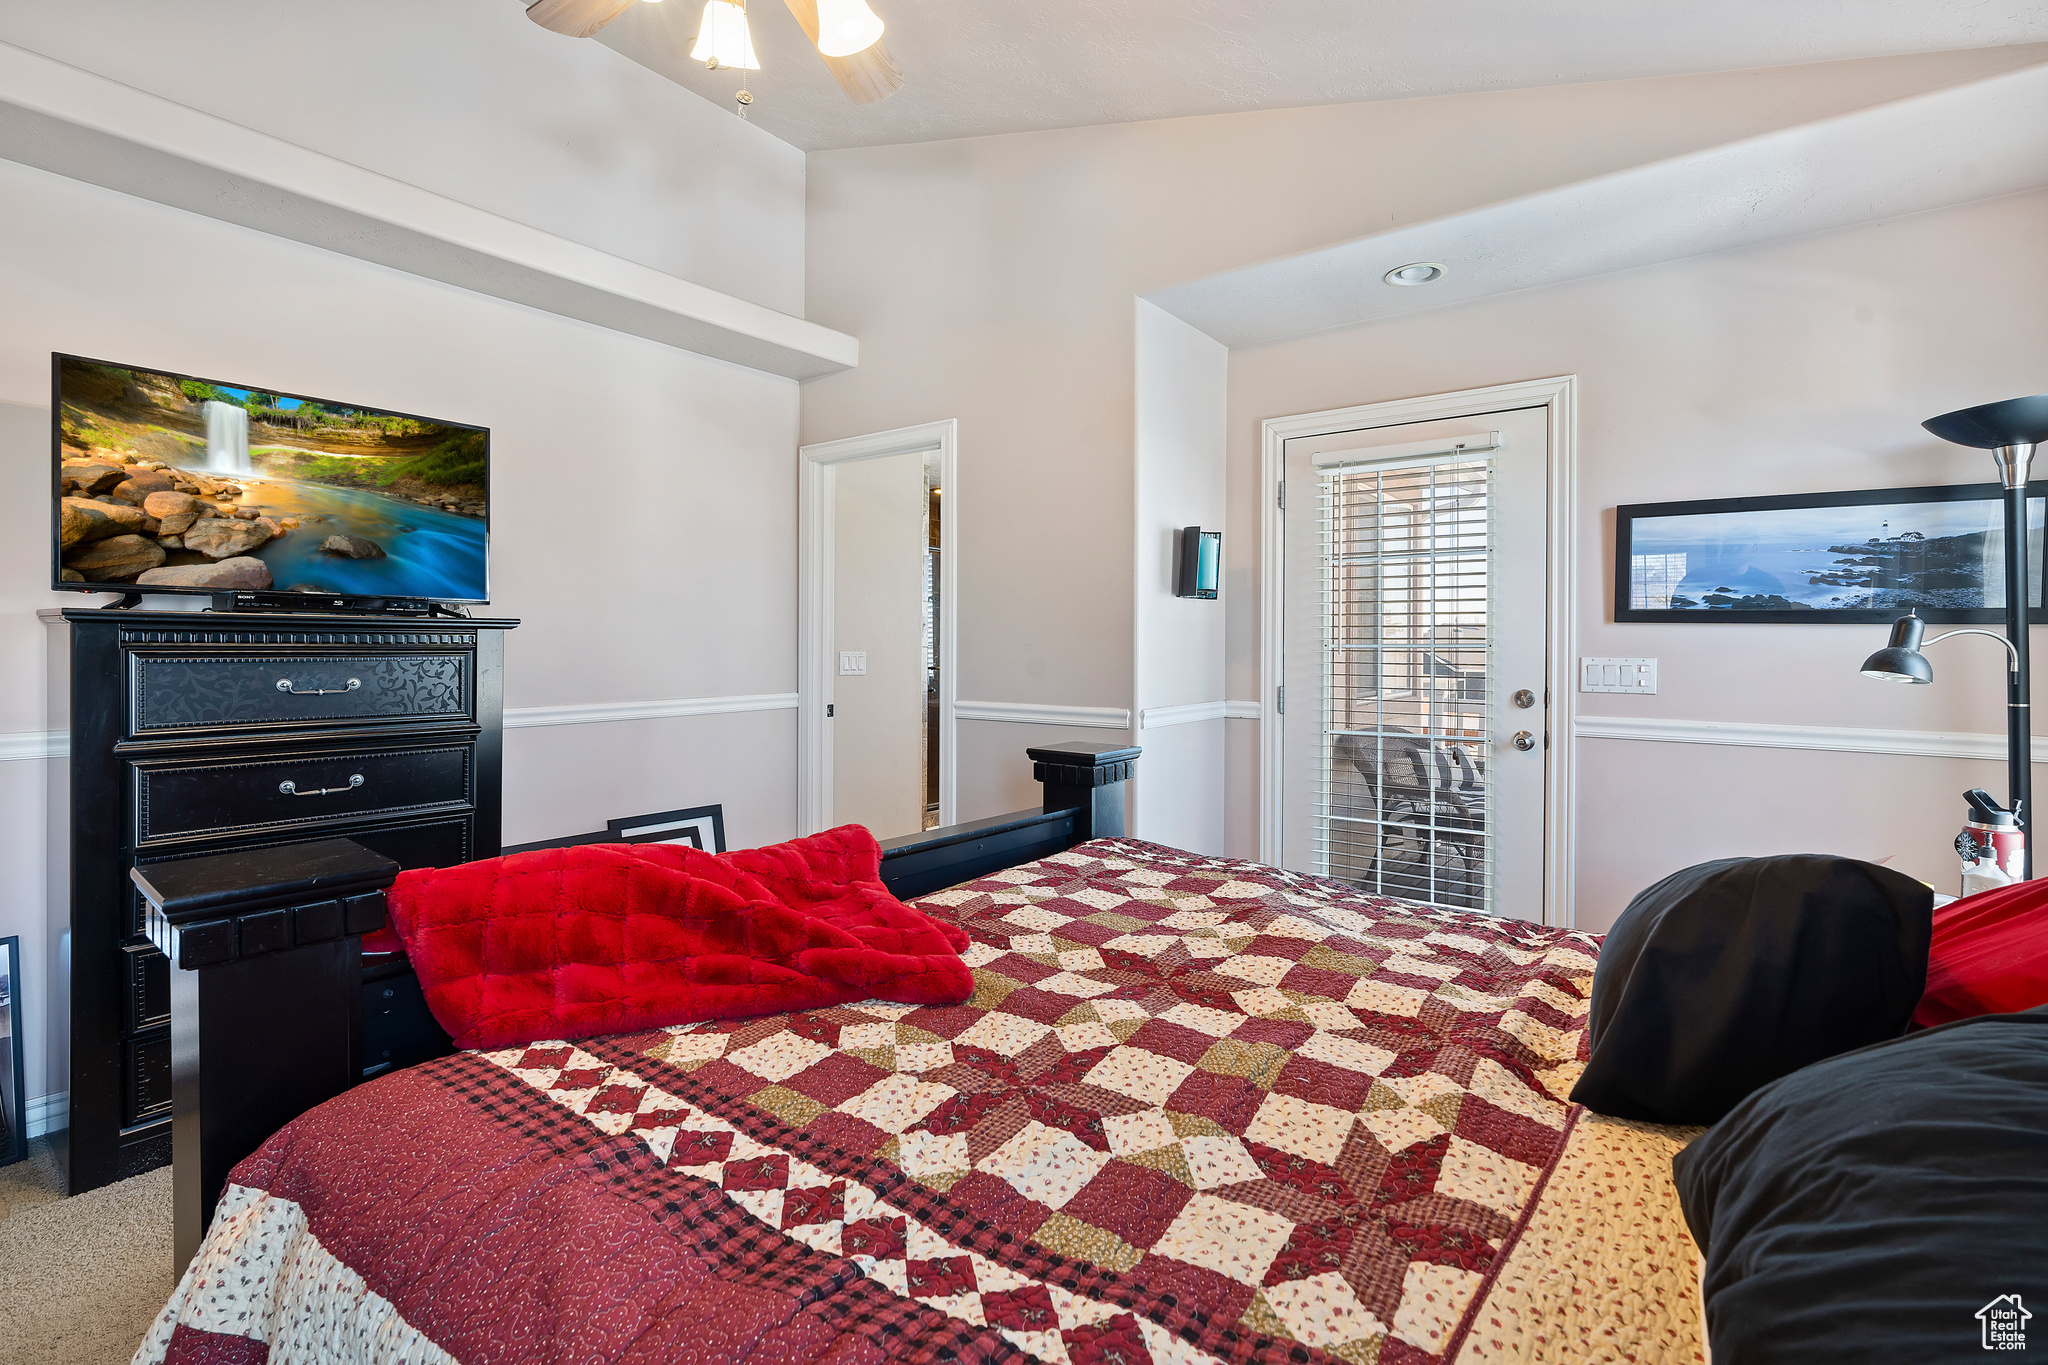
(13, 1097)
(699, 827)
(1854, 558)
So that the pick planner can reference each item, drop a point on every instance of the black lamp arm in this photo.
(2012, 655)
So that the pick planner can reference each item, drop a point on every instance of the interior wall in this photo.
(470, 99)
(991, 280)
(642, 518)
(1182, 385)
(880, 530)
(1802, 366)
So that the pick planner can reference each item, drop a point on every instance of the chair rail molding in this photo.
(1153, 717)
(1840, 739)
(593, 713)
(1559, 397)
(22, 745)
(74, 123)
(1030, 713)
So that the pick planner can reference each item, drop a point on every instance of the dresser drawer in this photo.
(178, 693)
(434, 843)
(398, 1028)
(147, 999)
(182, 800)
(146, 1080)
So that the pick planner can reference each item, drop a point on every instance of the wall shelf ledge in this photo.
(70, 122)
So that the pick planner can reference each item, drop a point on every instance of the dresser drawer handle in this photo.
(292, 788)
(285, 685)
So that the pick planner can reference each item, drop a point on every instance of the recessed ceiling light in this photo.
(1421, 272)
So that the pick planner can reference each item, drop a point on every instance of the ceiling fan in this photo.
(847, 34)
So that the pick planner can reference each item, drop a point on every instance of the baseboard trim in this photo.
(1822, 738)
(1028, 713)
(48, 1114)
(598, 713)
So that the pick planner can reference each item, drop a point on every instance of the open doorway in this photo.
(934, 489)
(877, 612)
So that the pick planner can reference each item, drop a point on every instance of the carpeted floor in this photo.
(84, 1276)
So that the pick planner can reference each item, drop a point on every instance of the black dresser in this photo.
(199, 732)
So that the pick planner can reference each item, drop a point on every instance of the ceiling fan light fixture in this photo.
(846, 27)
(1418, 272)
(722, 38)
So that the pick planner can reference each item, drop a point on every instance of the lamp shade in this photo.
(1899, 666)
(1901, 661)
(2014, 422)
(846, 27)
(723, 40)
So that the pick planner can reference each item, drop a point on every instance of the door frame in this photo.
(817, 503)
(1559, 396)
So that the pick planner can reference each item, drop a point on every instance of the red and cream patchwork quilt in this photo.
(1197, 1112)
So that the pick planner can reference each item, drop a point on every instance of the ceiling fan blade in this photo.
(869, 75)
(576, 18)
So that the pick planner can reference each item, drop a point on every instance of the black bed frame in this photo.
(267, 995)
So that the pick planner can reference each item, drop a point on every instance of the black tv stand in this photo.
(183, 743)
(329, 604)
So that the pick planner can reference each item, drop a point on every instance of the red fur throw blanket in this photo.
(612, 938)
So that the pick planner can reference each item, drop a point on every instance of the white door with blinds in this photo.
(1414, 720)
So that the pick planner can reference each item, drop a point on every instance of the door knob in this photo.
(1523, 740)
(1524, 699)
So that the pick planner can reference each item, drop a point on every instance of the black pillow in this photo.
(1871, 1207)
(1734, 973)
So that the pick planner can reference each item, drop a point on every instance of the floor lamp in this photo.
(2009, 430)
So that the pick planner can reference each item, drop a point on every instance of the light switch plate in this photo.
(852, 661)
(1618, 675)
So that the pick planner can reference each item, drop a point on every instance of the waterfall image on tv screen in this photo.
(172, 484)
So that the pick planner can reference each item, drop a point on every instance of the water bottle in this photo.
(1992, 845)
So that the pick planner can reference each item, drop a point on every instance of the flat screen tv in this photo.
(168, 483)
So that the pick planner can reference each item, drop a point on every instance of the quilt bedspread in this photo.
(1197, 1112)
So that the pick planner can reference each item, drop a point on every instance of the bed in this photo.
(1197, 1110)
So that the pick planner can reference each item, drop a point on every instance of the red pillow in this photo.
(1989, 955)
(614, 938)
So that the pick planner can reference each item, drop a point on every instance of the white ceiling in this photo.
(1890, 159)
(999, 66)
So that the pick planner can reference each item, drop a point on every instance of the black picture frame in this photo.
(13, 1075)
(1627, 515)
(693, 826)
